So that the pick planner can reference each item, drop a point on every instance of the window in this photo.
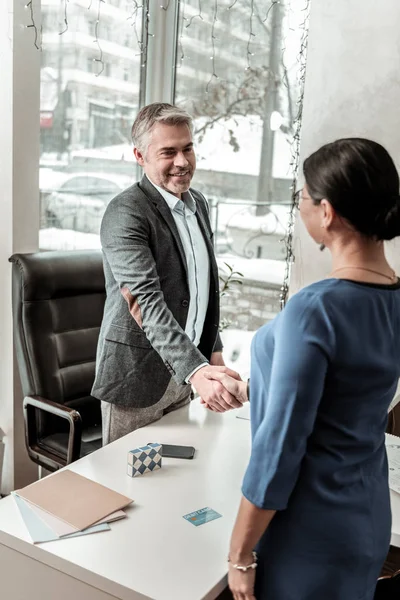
(233, 77)
(89, 93)
(77, 204)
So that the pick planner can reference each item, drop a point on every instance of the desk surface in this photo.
(154, 553)
(395, 504)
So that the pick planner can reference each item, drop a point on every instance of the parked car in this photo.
(77, 201)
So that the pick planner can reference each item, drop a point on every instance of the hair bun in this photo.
(388, 223)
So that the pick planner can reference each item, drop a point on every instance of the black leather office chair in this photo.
(58, 301)
(394, 421)
(388, 588)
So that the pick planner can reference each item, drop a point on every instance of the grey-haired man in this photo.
(160, 326)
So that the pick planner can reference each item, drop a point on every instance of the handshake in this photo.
(220, 389)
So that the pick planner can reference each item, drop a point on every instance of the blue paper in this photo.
(204, 515)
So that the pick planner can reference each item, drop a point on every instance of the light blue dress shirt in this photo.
(197, 259)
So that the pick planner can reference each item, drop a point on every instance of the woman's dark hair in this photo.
(360, 180)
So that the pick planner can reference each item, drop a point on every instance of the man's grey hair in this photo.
(158, 112)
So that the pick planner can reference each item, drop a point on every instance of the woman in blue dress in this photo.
(314, 521)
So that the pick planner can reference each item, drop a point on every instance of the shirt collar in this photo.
(175, 203)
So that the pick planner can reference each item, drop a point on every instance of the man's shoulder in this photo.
(132, 198)
(133, 191)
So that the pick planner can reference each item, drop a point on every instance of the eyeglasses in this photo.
(298, 198)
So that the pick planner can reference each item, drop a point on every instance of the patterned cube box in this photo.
(144, 460)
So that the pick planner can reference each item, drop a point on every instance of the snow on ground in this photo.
(66, 239)
(242, 216)
(262, 270)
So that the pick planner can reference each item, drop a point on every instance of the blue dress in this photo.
(323, 374)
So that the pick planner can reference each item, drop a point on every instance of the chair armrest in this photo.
(394, 420)
(48, 459)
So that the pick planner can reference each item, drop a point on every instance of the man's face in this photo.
(169, 160)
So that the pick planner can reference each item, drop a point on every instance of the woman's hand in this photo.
(237, 388)
(241, 583)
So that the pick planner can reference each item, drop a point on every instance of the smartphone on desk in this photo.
(171, 451)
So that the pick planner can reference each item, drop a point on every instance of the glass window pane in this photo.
(237, 74)
(90, 81)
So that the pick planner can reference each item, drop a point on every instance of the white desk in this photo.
(395, 504)
(154, 553)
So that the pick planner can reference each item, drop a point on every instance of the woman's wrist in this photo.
(243, 563)
(242, 557)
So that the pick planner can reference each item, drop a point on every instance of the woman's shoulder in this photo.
(308, 315)
(315, 306)
(317, 293)
(334, 300)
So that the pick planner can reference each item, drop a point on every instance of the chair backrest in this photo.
(58, 302)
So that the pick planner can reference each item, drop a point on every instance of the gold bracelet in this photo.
(247, 567)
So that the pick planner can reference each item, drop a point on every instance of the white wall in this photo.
(19, 210)
(352, 89)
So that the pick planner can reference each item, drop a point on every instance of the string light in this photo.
(33, 25)
(244, 99)
(134, 18)
(65, 17)
(198, 16)
(295, 149)
(180, 45)
(243, 96)
(147, 33)
(251, 35)
(269, 9)
(97, 42)
(215, 19)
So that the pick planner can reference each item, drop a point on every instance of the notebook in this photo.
(78, 501)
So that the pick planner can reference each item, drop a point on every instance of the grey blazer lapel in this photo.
(165, 212)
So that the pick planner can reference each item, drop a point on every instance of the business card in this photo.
(204, 515)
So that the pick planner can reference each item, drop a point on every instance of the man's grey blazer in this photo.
(142, 342)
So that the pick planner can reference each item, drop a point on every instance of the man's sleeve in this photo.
(125, 244)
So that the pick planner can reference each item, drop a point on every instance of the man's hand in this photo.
(236, 387)
(212, 392)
